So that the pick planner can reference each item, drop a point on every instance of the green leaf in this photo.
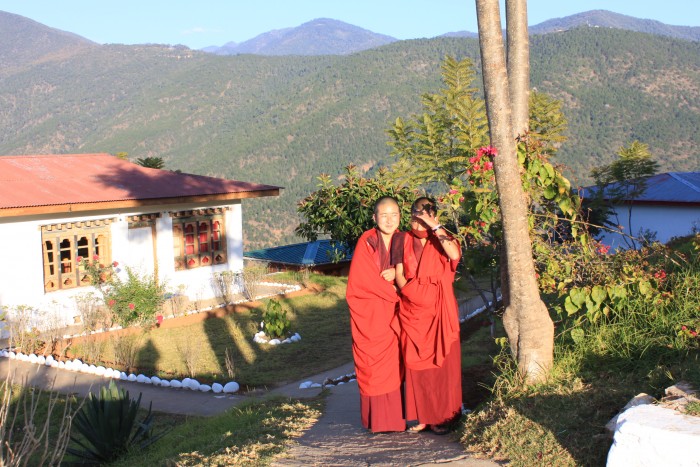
(578, 296)
(645, 288)
(570, 307)
(577, 335)
(598, 294)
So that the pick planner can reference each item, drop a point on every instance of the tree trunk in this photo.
(518, 64)
(527, 322)
(518, 59)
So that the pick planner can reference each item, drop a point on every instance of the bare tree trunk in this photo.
(518, 60)
(518, 64)
(527, 322)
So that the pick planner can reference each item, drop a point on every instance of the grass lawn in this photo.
(321, 319)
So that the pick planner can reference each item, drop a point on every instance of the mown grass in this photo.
(561, 422)
(248, 435)
(321, 319)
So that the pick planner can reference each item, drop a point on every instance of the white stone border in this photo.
(109, 373)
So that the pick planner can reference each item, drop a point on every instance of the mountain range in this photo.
(332, 37)
(283, 120)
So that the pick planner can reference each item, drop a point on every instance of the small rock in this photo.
(231, 387)
(217, 388)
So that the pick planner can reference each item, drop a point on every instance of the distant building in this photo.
(317, 256)
(668, 207)
(55, 209)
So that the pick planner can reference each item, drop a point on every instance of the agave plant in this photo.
(107, 423)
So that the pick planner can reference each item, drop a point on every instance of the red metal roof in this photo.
(84, 179)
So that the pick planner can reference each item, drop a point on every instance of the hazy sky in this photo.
(201, 23)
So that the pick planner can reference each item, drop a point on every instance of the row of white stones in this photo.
(311, 384)
(78, 366)
(260, 339)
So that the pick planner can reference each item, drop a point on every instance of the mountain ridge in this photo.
(283, 120)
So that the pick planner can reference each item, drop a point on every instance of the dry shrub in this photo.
(190, 352)
(126, 348)
(26, 439)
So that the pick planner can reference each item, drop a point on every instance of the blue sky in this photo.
(202, 23)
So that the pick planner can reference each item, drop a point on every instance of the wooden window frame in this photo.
(62, 244)
(199, 241)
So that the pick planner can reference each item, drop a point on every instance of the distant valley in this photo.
(284, 119)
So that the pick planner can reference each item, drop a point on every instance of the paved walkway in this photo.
(337, 439)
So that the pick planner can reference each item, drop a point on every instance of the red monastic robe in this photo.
(375, 335)
(430, 333)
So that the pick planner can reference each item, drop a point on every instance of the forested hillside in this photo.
(285, 119)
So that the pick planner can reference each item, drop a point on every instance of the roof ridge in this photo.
(685, 182)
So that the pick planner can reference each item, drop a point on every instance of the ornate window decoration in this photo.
(63, 244)
(199, 238)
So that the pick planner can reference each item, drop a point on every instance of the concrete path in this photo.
(337, 439)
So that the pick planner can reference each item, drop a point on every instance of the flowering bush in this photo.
(135, 300)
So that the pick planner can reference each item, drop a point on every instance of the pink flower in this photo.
(488, 165)
(661, 275)
(79, 259)
(683, 328)
(461, 199)
(115, 264)
(469, 172)
(131, 306)
(453, 191)
(111, 303)
(95, 257)
(473, 160)
(487, 151)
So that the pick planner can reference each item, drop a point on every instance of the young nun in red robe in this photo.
(429, 321)
(373, 302)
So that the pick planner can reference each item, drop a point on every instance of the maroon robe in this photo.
(375, 335)
(430, 333)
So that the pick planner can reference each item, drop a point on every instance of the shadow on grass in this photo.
(575, 415)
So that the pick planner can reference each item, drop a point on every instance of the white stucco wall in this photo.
(666, 221)
(21, 262)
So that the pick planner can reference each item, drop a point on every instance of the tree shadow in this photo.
(576, 417)
(148, 353)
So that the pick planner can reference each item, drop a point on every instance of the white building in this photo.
(57, 208)
(668, 207)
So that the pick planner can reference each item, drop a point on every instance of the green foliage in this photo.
(135, 300)
(598, 368)
(432, 148)
(151, 162)
(108, 428)
(345, 211)
(275, 321)
(289, 118)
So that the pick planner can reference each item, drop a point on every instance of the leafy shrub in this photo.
(135, 300)
(108, 427)
(275, 321)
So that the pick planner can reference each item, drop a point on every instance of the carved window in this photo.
(64, 244)
(198, 241)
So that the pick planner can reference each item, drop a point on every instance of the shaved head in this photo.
(385, 200)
